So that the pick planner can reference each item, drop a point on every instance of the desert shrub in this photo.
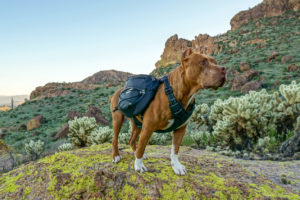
(288, 109)
(34, 149)
(65, 147)
(125, 136)
(100, 135)
(155, 139)
(200, 115)
(264, 145)
(160, 138)
(202, 138)
(80, 129)
(240, 121)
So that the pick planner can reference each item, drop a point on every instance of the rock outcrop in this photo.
(240, 79)
(252, 85)
(174, 47)
(34, 123)
(268, 8)
(110, 77)
(97, 114)
(88, 173)
(63, 132)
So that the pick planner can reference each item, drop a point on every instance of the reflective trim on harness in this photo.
(179, 114)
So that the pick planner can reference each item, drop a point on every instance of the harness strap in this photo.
(179, 114)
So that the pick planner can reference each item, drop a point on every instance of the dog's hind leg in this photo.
(178, 168)
(134, 134)
(118, 119)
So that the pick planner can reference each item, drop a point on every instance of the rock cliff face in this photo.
(268, 8)
(174, 47)
(112, 77)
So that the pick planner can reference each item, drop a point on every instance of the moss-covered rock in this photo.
(88, 173)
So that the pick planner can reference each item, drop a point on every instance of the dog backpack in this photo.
(137, 94)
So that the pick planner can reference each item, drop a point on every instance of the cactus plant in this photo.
(200, 115)
(34, 149)
(100, 136)
(65, 147)
(80, 129)
(242, 120)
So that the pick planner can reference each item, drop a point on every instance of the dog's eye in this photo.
(204, 62)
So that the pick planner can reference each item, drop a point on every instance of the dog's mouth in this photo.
(221, 83)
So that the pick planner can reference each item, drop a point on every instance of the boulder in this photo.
(244, 66)
(34, 122)
(273, 56)
(97, 114)
(22, 127)
(253, 85)
(72, 114)
(241, 79)
(63, 132)
(292, 145)
(292, 68)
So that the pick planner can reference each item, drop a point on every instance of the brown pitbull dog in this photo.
(196, 72)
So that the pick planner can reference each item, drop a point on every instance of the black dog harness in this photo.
(179, 114)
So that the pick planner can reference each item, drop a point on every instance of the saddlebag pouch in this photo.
(137, 94)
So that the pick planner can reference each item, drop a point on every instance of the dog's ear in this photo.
(185, 56)
(186, 53)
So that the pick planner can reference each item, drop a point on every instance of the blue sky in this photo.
(45, 41)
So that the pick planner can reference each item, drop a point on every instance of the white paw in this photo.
(116, 159)
(139, 165)
(145, 156)
(178, 168)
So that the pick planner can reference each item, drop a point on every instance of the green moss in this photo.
(27, 191)
(89, 172)
(8, 183)
(128, 192)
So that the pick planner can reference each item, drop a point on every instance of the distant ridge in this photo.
(113, 77)
(106, 77)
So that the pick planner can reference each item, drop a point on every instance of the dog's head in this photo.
(202, 71)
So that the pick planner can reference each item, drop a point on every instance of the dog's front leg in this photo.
(143, 140)
(178, 168)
